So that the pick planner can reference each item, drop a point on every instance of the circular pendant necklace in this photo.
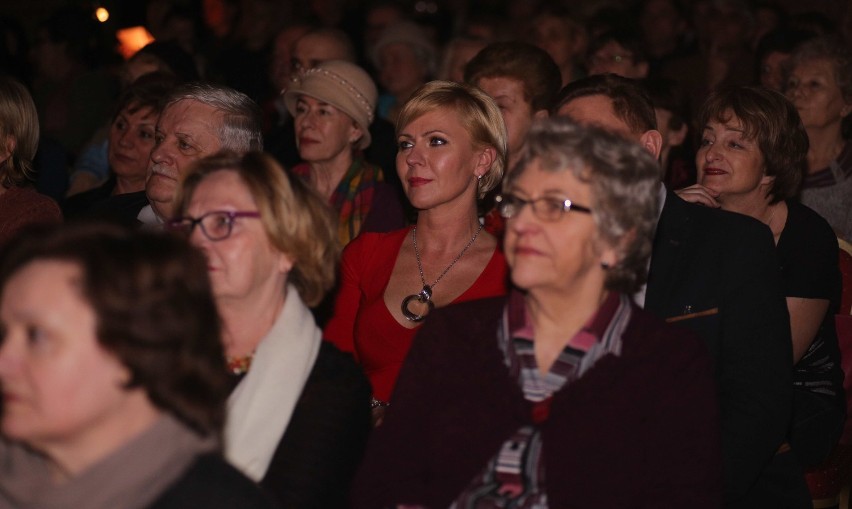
(424, 298)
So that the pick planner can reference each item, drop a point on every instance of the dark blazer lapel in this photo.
(667, 260)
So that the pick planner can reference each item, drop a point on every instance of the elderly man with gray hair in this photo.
(199, 119)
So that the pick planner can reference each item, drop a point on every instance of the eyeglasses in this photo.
(545, 208)
(215, 225)
(600, 59)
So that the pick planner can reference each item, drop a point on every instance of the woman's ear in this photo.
(486, 158)
(355, 133)
(285, 263)
(7, 148)
(612, 254)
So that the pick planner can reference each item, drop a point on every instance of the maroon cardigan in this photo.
(638, 430)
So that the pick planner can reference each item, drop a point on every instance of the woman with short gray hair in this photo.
(543, 398)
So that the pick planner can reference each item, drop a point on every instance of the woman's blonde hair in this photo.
(296, 219)
(18, 120)
(478, 113)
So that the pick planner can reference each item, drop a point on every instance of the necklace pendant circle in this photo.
(420, 298)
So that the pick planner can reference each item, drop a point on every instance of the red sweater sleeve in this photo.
(340, 328)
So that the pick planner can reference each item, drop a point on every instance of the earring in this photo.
(479, 178)
(604, 265)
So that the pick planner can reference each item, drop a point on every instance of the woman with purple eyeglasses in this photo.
(298, 415)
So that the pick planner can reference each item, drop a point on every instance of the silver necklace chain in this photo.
(450, 266)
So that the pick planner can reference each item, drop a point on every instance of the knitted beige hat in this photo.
(341, 84)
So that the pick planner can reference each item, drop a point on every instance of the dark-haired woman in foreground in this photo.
(113, 375)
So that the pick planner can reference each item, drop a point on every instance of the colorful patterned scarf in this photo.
(353, 197)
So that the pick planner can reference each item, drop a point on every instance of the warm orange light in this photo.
(102, 14)
(131, 40)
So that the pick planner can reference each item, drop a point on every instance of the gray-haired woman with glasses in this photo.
(298, 415)
(563, 394)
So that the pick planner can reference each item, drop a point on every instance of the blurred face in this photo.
(400, 71)
(437, 162)
(280, 66)
(186, 131)
(378, 19)
(728, 26)
(661, 24)
(60, 387)
(596, 110)
(562, 256)
(613, 58)
(772, 70)
(517, 112)
(814, 91)
(463, 53)
(551, 35)
(49, 58)
(314, 49)
(244, 266)
(131, 138)
(729, 163)
(323, 132)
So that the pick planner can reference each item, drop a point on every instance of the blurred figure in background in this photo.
(523, 80)
(129, 143)
(405, 58)
(820, 86)
(20, 203)
(563, 38)
(457, 53)
(677, 157)
(72, 89)
(618, 52)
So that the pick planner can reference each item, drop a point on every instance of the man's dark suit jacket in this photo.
(716, 273)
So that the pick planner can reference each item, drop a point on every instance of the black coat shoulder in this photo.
(212, 483)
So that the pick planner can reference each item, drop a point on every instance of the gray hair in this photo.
(241, 119)
(624, 179)
(835, 51)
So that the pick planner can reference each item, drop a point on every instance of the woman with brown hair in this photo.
(751, 160)
(113, 375)
(20, 203)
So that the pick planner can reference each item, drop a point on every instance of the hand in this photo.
(700, 194)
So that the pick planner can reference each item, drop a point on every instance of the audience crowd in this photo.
(398, 254)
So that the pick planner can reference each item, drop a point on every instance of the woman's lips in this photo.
(526, 250)
(306, 141)
(714, 171)
(418, 181)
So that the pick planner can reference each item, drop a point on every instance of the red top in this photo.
(362, 323)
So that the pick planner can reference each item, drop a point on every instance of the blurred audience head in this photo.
(19, 133)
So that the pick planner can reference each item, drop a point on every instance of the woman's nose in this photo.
(413, 156)
(711, 153)
(124, 139)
